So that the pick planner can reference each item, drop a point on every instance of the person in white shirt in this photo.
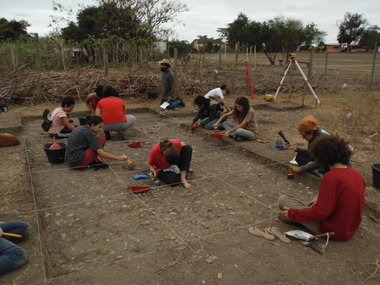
(221, 91)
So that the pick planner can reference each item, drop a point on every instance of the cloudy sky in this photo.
(206, 16)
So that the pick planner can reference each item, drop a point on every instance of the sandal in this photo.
(261, 233)
(276, 232)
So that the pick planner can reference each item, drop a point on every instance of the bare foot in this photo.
(191, 171)
(186, 184)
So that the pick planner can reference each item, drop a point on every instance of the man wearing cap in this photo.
(168, 82)
(309, 130)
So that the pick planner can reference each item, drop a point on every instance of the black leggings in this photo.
(171, 178)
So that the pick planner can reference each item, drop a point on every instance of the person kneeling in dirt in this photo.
(309, 130)
(209, 112)
(93, 99)
(169, 161)
(245, 116)
(85, 148)
(340, 201)
(221, 91)
(12, 256)
(60, 126)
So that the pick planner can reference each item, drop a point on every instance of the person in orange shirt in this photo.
(111, 109)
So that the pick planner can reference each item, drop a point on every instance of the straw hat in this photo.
(165, 61)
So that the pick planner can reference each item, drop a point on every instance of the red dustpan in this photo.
(138, 189)
(138, 144)
(217, 135)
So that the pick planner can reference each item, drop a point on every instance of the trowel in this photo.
(306, 236)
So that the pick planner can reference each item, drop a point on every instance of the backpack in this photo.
(215, 99)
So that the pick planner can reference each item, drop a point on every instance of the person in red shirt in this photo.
(340, 201)
(169, 161)
(93, 99)
(111, 109)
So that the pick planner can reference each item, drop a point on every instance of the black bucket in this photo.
(152, 94)
(55, 156)
(82, 120)
(376, 176)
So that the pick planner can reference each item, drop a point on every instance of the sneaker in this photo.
(123, 135)
(239, 139)
(108, 135)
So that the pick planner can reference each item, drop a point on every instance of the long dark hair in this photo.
(171, 153)
(237, 115)
(109, 91)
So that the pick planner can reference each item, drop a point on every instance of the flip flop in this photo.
(140, 176)
(261, 233)
(276, 232)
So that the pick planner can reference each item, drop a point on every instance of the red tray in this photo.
(217, 135)
(135, 144)
(138, 189)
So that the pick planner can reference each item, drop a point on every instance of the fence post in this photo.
(220, 59)
(310, 65)
(374, 62)
(237, 46)
(326, 60)
(38, 69)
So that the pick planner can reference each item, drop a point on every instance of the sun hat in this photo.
(279, 145)
(308, 123)
(165, 61)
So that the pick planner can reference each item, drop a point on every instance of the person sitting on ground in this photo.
(221, 91)
(85, 148)
(309, 130)
(112, 110)
(245, 116)
(209, 112)
(12, 256)
(169, 161)
(340, 201)
(60, 126)
(93, 99)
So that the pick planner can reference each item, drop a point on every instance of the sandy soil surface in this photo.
(88, 228)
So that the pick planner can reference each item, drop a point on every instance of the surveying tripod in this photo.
(294, 61)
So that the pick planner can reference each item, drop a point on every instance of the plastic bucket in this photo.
(82, 120)
(55, 156)
(152, 94)
(376, 175)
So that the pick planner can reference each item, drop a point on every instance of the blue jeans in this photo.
(11, 255)
(240, 132)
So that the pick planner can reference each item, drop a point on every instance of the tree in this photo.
(370, 36)
(242, 30)
(183, 47)
(313, 36)
(351, 28)
(276, 35)
(12, 30)
(102, 22)
(152, 14)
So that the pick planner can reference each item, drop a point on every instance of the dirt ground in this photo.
(88, 228)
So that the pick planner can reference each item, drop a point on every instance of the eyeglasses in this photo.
(305, 134)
